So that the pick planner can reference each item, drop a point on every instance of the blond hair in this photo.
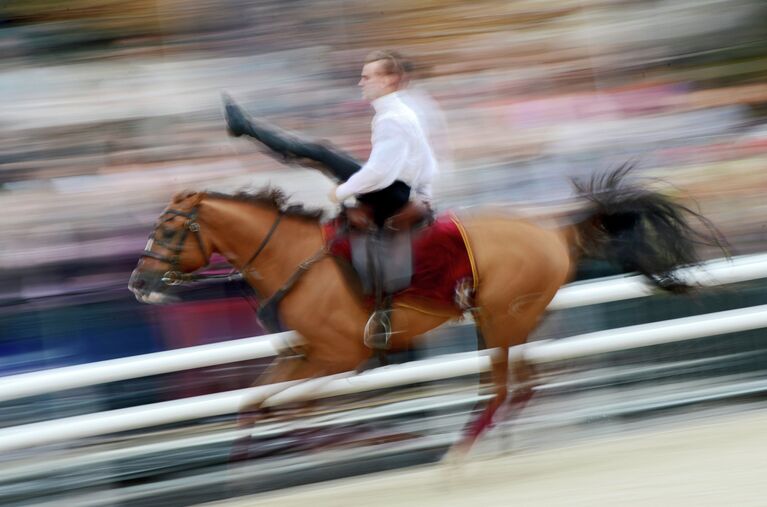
(393, 62)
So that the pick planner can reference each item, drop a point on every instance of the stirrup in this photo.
(378, 330)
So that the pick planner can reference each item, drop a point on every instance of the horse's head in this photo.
(176, 246)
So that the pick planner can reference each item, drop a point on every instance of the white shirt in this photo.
(433, 122)
(400, 151)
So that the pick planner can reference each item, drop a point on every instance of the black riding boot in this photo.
(390, 264)
(240, 123)
(378, 327)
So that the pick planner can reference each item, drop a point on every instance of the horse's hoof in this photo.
(457, 455)
(454, 463)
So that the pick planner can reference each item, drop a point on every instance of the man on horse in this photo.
(393, 187)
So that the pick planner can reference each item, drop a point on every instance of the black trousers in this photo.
(338, 164)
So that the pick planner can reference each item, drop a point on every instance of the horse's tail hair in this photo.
(641, 230)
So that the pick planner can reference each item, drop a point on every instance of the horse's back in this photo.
(517, 253)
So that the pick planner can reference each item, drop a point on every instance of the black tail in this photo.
(641, 230)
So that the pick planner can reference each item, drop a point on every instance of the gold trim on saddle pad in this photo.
(475, 278)
(469, 251)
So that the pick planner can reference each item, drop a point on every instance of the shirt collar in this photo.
(386, 102)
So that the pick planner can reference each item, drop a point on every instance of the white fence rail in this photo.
(717, 272)
(444, 367)
(574, 295)
(70, 377)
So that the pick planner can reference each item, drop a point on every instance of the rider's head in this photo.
(384, 72)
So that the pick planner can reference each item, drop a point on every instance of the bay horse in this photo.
(518, 267)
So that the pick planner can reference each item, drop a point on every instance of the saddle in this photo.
(426, 261)
(382, 257)
(437, 253)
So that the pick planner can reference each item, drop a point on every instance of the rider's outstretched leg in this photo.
(338, 164)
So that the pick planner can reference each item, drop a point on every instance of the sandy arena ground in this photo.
(721, 463)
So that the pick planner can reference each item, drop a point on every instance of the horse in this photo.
(518, 265)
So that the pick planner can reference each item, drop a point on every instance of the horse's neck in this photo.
(243, 230)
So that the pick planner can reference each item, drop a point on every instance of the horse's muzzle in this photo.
(149, 287)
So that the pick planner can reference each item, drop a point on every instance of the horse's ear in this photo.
(187, 194)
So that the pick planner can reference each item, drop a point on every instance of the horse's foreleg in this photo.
(250, 409)
(280, 377)
(283, 369)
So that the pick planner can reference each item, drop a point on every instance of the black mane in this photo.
(274, 198)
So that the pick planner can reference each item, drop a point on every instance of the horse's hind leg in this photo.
(499, 371)
(523, 380)
(484, 421)
(499, 331)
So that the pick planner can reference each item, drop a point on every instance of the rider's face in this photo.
(375, 81)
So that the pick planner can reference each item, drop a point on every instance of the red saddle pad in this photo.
(442, 259)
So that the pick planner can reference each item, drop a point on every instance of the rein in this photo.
(267, 312)
(268, 236)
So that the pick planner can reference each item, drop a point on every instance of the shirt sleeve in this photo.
(387, 159)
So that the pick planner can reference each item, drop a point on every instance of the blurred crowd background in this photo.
(109, 107)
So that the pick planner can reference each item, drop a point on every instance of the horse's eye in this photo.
(168, 234)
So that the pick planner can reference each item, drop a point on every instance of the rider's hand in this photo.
(333, 197)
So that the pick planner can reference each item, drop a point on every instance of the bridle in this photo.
(174, 276)
(267, 310)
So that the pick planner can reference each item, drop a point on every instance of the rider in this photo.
(402, 163)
